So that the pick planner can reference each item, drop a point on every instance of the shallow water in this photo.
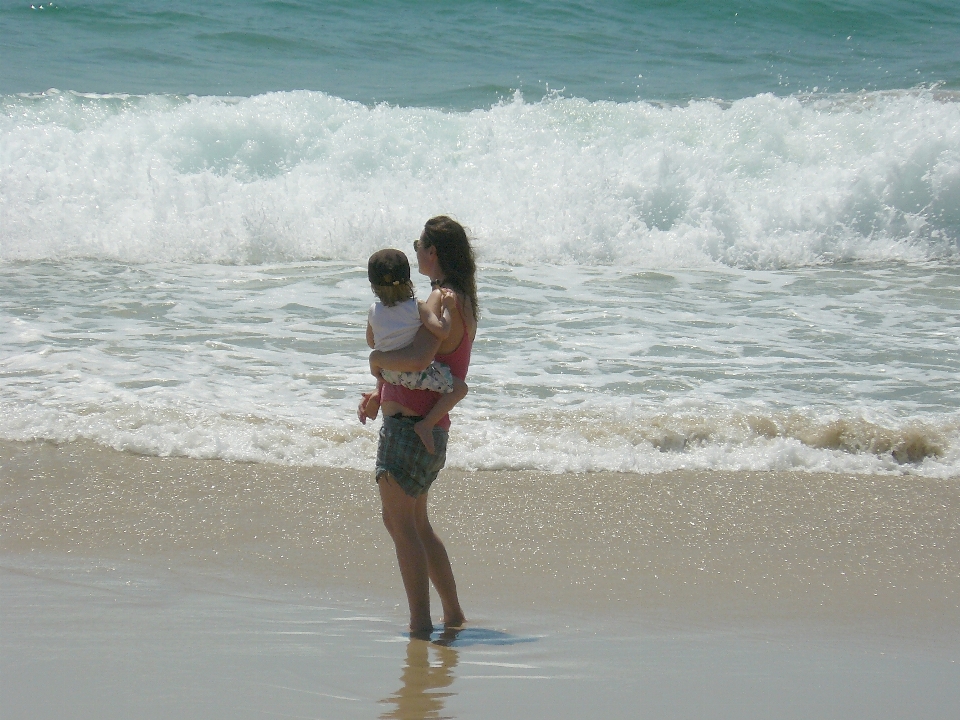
(844, 369)
(111, 641)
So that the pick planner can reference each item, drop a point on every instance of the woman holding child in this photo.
(415, 419)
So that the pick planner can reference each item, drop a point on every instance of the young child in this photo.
(392, 324)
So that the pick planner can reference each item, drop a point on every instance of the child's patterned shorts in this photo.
(437, 377)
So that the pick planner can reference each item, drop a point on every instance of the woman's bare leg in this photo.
(399, 516)
(438, 566)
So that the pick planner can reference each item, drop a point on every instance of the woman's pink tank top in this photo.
(421, 401)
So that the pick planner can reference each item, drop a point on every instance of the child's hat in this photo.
(388, 267)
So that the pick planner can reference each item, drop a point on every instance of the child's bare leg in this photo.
(446, 403)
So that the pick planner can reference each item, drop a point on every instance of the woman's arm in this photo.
(415, 357)
(420, 353)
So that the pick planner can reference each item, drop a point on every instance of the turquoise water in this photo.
(470, 54)
(711, 236)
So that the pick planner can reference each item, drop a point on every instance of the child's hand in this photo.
(369, 407)
(448, 299)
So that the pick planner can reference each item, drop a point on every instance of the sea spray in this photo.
(763, 182)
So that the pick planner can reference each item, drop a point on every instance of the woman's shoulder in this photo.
(462, 323)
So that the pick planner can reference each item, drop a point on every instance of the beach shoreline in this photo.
(699, 546)
(225, 589)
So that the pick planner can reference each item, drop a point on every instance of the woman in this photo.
(405, 468)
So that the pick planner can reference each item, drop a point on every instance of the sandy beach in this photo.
(164, 587)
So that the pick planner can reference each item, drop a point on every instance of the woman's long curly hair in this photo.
(455, 256)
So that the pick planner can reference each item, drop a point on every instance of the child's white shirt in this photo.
(394, 327)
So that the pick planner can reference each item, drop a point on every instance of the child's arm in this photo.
(374, 369)
(438, 326)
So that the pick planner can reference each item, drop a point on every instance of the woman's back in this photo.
(457, 353)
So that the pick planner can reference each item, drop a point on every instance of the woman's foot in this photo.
(421, 634)
(448, 636)
(421, 630)
(425, 433)
(455, 622)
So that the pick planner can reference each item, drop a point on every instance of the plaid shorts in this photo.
(402, 454)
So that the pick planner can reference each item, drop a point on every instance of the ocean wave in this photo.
(552, 442)
(763, 182)
(725, 439)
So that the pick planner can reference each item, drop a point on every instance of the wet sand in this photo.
(172, 587)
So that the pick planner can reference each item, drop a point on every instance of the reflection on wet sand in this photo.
(421, 680)
(419, 696)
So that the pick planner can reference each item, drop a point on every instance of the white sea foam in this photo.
(759, 183)
(660, 284)
(553, 441)
(575, 369)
